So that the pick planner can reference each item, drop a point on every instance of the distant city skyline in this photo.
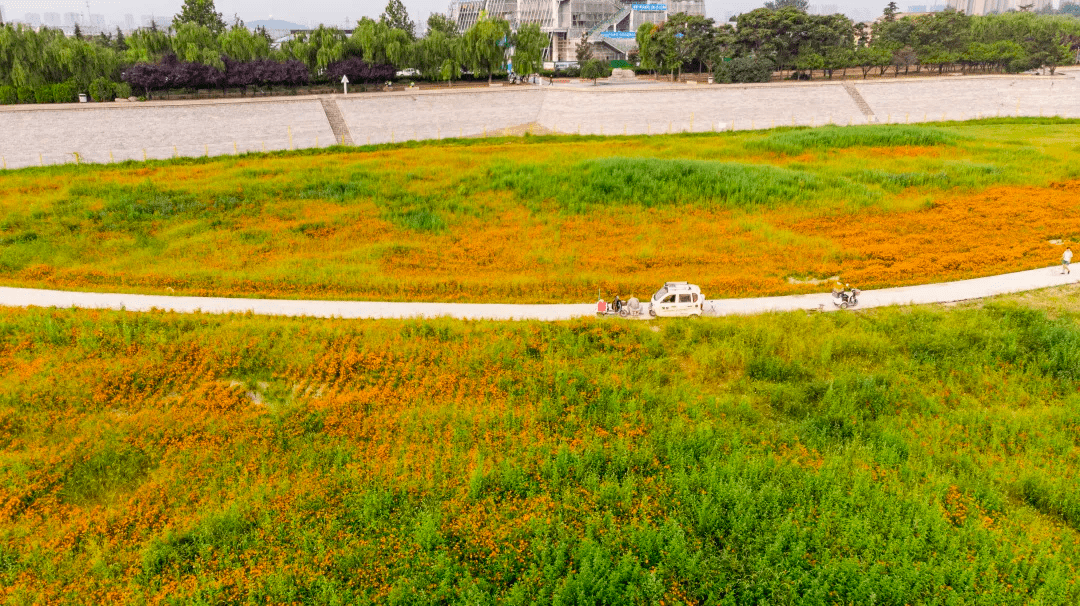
(128, 14)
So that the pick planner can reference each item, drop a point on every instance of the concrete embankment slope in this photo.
(103, 132)
(945, 292)
(52, 134)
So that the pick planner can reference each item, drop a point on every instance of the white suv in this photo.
(677, 299)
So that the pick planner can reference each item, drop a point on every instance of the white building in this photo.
(989, 7)
(609, 24)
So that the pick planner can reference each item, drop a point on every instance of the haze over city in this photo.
(112, 14)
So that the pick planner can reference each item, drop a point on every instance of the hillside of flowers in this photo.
(554, 219)
(898, 456)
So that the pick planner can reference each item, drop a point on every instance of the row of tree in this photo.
(200, 50)
(790, 39)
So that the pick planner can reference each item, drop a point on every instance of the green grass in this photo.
(657, 182)
(797, 141)
(911, 455)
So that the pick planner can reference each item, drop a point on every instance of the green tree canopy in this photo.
(485, 45)
(438, 22)
(529, 45)
(200, 12)
(396, 16)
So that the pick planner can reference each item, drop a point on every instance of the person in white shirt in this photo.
(1065, 259)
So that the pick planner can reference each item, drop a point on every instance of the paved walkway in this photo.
(928, 293)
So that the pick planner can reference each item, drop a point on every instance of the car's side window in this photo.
(684, 298)
(695, 298)
(669, 299)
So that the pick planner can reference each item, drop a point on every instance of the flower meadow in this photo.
(555, 219)
(902, 455)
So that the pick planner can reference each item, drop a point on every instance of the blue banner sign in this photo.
(649, 8)
(630, 35)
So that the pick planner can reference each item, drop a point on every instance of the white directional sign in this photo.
(345, 82)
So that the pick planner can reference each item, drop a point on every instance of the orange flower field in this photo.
(903, 456)
(557, 219)
(906, 455)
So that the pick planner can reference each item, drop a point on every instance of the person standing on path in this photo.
(1065, 259)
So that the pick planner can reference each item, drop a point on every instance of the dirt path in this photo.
(927, 293)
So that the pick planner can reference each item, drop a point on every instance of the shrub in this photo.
(64, 92)
(744, 69)
(101, 89)
(121, 90)
(595, 68)
(26, 94)
(43, 94)
(8, 96)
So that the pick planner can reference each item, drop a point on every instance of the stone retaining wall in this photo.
(50, 134)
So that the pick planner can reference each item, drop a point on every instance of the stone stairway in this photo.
(337, 121)
(861, 103)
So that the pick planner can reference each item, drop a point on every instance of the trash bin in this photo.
(710, 80)
(82, 97)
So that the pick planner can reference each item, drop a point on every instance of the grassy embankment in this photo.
(895, 456)
(552, 219)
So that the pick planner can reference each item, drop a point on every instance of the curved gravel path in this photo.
(928, 293)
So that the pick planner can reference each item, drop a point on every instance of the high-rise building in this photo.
(32, 19)
(147, 20)
(129, 22)
(73, 19)
(51, 19)
(97, 21)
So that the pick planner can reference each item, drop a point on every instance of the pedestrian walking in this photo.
(1065, 259)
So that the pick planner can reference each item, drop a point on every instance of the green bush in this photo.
(744, 69)
(26, 94)
(43, 94)
(121, 90)
(594, 69)
(101, 89)
(8, 96)
(64, 92)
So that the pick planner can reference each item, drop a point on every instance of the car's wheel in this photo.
(844, 305)
(652, 313)
(695, 315)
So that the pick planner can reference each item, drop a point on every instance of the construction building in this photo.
(609, 25)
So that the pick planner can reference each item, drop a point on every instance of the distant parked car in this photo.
(408, 73)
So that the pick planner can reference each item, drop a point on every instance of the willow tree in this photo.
(317, 49)
(241, 44)
(485, 45)
(529, 45)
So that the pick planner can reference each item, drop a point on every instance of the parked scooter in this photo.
(631, 309)
(624, 309)
(847, 297)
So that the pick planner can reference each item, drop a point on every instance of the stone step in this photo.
(861, 103)
(337, 121)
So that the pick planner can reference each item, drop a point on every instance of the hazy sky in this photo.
(331, 11)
